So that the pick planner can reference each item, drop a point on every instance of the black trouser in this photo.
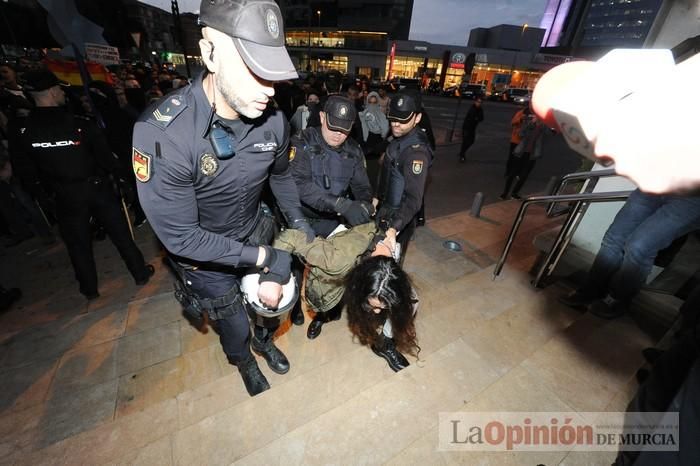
(76, 203)
(468, 137)
(234, 329)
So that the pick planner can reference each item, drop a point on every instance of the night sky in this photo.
(443, 21)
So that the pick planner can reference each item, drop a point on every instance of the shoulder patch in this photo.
(417, 167)
(141, 163)
(292, 152)
(167, 110)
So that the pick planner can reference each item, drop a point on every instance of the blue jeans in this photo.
(645, 225)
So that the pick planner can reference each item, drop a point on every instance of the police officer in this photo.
(331, 175)
(71, 158)
(329, 167)
(203, 155)
(404, 169)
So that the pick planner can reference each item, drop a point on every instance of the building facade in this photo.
(591, 28)
(350, 36)
(492, 67)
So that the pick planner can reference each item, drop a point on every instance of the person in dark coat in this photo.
(475, 115)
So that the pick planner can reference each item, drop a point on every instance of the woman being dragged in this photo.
(358, 268)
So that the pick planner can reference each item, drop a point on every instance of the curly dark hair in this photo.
(382, 278)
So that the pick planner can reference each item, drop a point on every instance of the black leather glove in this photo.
(276, 267)
(355, 212)
(302, 224)
(384, 218)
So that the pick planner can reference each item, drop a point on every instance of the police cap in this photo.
(257, 32)
(340, 113)
(403, 105)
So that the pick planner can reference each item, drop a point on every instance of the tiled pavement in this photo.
(126, 380)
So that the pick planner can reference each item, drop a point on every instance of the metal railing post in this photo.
(587, 198)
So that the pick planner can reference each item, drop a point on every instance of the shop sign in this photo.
(548, 59)
(482, 58)
(457, 60)
(420, 48)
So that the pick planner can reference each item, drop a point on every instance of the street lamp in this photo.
(318, 12)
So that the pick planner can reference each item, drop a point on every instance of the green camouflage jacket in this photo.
(330, 260)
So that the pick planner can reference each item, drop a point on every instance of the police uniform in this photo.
(326, 176)
(204, 208)
(70, 157)
(404, 172)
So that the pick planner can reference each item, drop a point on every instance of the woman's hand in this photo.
(390, 239)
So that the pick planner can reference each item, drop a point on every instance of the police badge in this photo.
(273, 26)
(208, 164)
(141, 163)
(417, 167)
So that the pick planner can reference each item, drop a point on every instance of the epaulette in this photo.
(167, 110)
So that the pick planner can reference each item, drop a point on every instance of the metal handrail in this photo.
(559, 187)
(587, 197)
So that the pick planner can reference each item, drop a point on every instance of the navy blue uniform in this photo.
(324, 174)
(203, 208)
(71, 158)
(402, 184)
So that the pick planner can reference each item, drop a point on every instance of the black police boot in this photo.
(253, 379)
(265, 347)
(297, 314)
(385, 348)
(321, 318)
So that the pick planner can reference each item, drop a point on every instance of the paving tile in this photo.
(18, 431)
(512, 336)
(55, 338)
(39, 426)
(153, 384)
(380, 421)
(68, 413)
(149, 347)
(219, 439)
(100, 326)
(518, 390)
(26, 386)
(84, 367)
(193, 339)
(109, 442)
(158, 453)
(210, 398)
(581, 360)
(153, 311)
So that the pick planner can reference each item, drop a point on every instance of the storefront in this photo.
(370, 54)
(350, 52)
(493, 68)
